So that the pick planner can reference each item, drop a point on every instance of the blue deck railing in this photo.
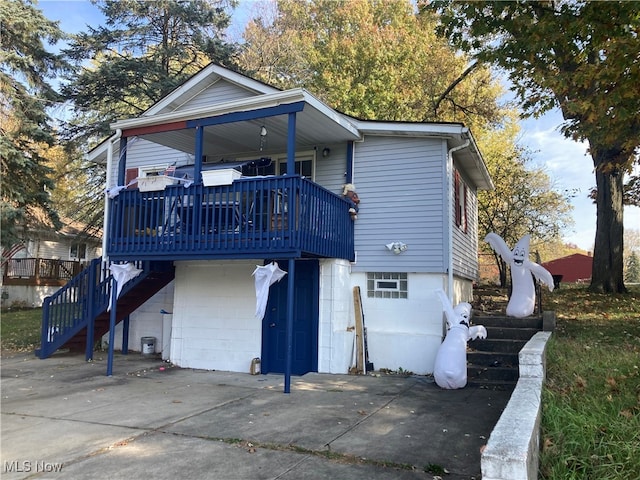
(71, 308)
(286, 216)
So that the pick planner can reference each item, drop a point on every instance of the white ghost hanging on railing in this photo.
(523, 295)
(450, 368)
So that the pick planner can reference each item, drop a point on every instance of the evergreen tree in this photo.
(145, 50)
(632, 272)
(26, 67)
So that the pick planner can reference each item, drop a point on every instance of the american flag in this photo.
(8, 253)
(170, 170)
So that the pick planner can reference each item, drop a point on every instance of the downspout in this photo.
(451, 215)
(105, 221)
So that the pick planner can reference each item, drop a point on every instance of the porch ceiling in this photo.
(316, 124)
(312, 128)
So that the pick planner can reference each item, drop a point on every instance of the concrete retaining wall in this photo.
(512, 452)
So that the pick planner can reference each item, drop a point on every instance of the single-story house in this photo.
(227, 173)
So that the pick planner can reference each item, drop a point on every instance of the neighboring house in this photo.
(415, 232)
(46, 260)
(572, 268)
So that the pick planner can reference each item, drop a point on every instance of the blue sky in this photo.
(566, 162)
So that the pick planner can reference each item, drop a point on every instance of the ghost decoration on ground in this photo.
(523, 295)
(450, 369)
(265, 276)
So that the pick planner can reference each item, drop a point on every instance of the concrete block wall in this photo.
(214, 322)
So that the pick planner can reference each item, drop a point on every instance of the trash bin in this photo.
(148, 346)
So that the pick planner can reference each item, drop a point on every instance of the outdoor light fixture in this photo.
(397, 247)
(263, 136)
(326, 151)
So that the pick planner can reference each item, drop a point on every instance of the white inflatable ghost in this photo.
(450, 369)
(523, 295)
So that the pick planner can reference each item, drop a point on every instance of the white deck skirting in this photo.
(512, 452)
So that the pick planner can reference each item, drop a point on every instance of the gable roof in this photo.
(206, 77)
(316, 124)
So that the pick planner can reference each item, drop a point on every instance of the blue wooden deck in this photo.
(254, 217)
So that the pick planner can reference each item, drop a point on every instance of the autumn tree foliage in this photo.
(582, 57)
(369, 59)
(524, 200)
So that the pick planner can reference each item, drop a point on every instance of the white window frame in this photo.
(300, 157)
(152, 170)
(78, 245)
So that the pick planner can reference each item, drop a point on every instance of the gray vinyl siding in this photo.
(142, 153)
(218, 92)
(400, 182)
(330, 171)
(465, 244)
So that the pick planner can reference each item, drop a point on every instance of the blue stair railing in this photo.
(76, 305)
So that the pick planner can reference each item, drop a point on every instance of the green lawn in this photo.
(591, 401)
(20, 329)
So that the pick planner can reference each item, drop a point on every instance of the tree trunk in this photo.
(607, 274)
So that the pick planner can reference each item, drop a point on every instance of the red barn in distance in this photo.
(572, 268)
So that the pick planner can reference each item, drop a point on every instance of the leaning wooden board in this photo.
(360, 354)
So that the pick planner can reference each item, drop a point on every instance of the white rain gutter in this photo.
(451, 214)
(105, 221)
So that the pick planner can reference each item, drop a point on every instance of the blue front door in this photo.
(305, 322)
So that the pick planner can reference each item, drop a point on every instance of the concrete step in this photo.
(497, 345)
(493, 374)
(492, 359)
(511, 333)
(507, 322)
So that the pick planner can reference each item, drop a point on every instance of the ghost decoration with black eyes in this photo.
(523, 295)
(450, 368)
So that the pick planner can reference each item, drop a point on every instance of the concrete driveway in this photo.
(64, 418)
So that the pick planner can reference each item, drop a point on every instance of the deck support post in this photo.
(290, 313)
(122, 162)
(125, 336)
(199, 152)
(112, 326)
(291, 144)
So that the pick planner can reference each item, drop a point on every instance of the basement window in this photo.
(387, 285)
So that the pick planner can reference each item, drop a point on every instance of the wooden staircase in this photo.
(81, 305)
(128, 303)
